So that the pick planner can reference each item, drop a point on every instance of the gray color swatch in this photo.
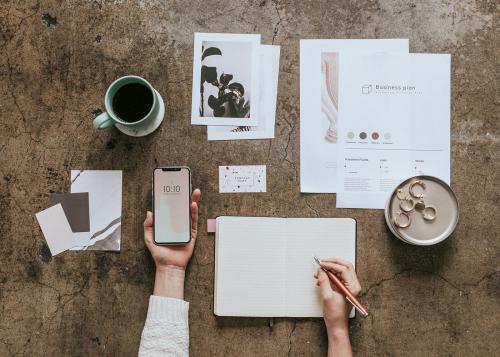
(76, 208)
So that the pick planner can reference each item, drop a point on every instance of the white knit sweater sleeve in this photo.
(166, 331)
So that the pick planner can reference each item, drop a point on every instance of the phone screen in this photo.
(172, 218)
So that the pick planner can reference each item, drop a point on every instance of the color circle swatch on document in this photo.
(362, 135)
(375, 135)
(350, 135)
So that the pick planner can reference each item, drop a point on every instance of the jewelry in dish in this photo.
(429, 213)
(402, 220)
(420, 206)
(401, 194)
(407, 204)
(412, 188)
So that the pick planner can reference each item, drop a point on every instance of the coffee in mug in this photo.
(133, 106)
(132, 102)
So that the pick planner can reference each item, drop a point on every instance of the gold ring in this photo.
(429, 213)
(397, 222)
(400, 193)
(417, 183)
(403, 204)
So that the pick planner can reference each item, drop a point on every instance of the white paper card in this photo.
(269, 69)
(319, 96)
(225, 79)
(249, 178)
(395, 111)
(105, 205)
(56, 229)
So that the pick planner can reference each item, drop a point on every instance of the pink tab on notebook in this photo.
(211, 225)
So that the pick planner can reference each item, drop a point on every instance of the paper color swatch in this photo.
(105, 208)
(56, 229)
(76, 208)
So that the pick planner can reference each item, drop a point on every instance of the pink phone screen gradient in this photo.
(171, 206)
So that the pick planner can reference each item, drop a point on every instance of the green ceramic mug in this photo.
(132, 105)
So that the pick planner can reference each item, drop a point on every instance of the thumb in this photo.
(148, 222)
(324, 284)
(148, 228)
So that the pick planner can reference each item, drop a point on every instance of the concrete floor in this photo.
(57, 59)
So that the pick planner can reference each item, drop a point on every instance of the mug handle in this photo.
(103, 121)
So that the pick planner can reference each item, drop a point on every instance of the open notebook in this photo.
(264, 266)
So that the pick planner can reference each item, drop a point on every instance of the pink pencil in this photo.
(342, 288)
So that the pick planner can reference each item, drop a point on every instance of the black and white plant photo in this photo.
(225, 83)
(225, 79)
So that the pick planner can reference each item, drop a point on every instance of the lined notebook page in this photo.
(250, 267)
(306, 237)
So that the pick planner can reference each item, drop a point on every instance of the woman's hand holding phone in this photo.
(171, 261)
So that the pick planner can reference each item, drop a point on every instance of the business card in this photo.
(246, 178)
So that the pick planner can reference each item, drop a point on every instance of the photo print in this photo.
(225, 84)
(329, 93)
(225, 79)
(269, 69)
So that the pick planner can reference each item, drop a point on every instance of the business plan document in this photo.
(319, 116)
(395, 111)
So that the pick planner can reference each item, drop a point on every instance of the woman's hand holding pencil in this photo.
(336, 308)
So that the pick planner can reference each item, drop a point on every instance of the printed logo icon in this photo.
(366, 89)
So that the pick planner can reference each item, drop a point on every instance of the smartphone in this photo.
(172, 205)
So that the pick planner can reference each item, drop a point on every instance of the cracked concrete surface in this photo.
(58, 59)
